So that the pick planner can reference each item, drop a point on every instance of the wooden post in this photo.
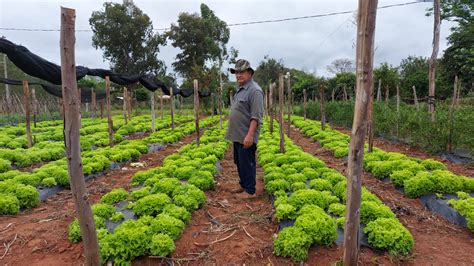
(434, 54)
(344, 93)
(379, 91)
(322, 107)
(94, 104)
(290, 107)
(364, 57)
(161, 104)
(305, 103)
(172, 107)
(270, 106)
(451, 115)
(7, 87)
(212, 103)
(125, 99)
(129, 104)
(35, 105)
(415, 98)
(109, 111)
(370, 123)
(152, 99)
(26, 98)
(72, 124)
(219, 98)
(196, 109)
(281, 97)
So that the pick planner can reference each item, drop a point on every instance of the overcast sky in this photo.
(308, 44)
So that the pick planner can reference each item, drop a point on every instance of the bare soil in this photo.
(436, 240)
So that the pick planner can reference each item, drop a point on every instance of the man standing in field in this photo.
(244, 127)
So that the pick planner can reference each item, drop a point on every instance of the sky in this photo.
(308, 44)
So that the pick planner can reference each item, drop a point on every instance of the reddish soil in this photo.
(466, 170)
(436, 240)
(41, 233)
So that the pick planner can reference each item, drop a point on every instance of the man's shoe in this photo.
(246, 196)
(237, 190)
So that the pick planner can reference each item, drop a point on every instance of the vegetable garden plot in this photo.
(50, 143)
(313, 195)
(95, 161)
(414, 176)
(161, 205)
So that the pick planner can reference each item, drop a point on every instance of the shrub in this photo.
(292, 242)
(161, 245)
(389, 234)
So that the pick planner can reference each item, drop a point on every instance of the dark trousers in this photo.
(246, 166)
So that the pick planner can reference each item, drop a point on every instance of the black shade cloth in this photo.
(39, 67)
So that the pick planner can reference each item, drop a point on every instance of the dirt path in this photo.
(42, 232)
(436, 240)
(466, 170)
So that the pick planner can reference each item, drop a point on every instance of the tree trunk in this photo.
(364, 57)
(379, 91)
(35, 105)
(322, 107)
(172, 108)
(72, 124)
(281, 97)
(7, 87)
(125, 100)
(152, 101)
(434, 54)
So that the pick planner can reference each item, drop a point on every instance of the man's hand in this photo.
(248, 141)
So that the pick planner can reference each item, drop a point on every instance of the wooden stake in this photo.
(109, 111)
(161, 104)
(152, 99)
(290, 107)
(322, 107)
(364, 57)
(94, 104)
(172, 108)
(35, 105)
(370, 123)
(125, 100)
(212, 103)
(379, 91)
(129, 104)
(270, 106)
(415, 98)
(305, 104)
(345, 93)
(281, 97)
(26, 98)
(72, 124)
(434, 54)
(196, 109)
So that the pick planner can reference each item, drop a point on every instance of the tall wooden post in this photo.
(344, 93)
(35, 105)
(109, 112)
(26, 98)
(94, 104)
(172, 108)
(7, 87)
(370, 122)
(196, 109)
(305, 103)
(270, 106)
(125, 100)
(161, 104)
(152, 100)
(212, 103)
(322, 100)
(290, 102)
(72, 124)
(365, 51)
(129, 104)
(333, 94)
(281, 97)
(415, 98)
(434, 54)
(379, 91)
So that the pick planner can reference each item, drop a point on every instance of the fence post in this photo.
(26, 97)
(281, 97)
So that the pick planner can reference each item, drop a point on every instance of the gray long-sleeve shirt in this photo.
(247, 106)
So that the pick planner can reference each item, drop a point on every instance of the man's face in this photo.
(243, 76)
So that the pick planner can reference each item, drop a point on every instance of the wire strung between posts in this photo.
(245, 23)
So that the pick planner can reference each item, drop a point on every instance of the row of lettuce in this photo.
(312, 195)
(417, 177)
(18, 189)
(162, 201)
(49, 145)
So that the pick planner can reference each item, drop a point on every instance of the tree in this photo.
(341, 65)
(341, 80)
(389, 77)
(301, 80)
(268, 70)
(202, 40)
(414, 72)
(125, 34)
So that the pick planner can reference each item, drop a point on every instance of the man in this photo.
(244, 127)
